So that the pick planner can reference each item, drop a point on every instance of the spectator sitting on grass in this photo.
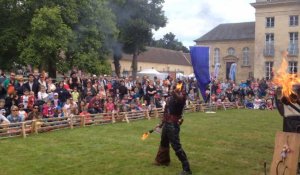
(95, 105)
(3, 120)
(22, 111)
(15, 117)
(48, 110)
(35, 114)
(3, 109)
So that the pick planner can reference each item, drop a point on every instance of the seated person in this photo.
(35, 114)
(3, 109)
(15, 117)
(3, 120)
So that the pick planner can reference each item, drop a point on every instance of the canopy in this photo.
(191, 75)
(149, 71)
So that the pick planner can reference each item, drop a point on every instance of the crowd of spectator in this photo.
(38, 96)
(252, 93)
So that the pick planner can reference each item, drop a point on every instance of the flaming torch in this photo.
(157, 129)
(286, 150)
(288, 82)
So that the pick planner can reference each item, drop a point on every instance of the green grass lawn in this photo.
(232, 142)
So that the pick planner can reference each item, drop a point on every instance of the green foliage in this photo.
(169, 42)
(136, 20)
(232, 142)
(90, 63)
(48, 37)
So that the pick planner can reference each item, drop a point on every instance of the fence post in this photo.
(23, 130)
(147, 114)
(201, 108)
(155, 113)
(194, 107)
(82, 120)
(113, 119)
(71, 121)
(126, 117)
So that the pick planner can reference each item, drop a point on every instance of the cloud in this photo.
(189, 20)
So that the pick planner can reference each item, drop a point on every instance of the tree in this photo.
(169, 41)
(136, 20)
(49, 36)
(12, 30)
(93, 33)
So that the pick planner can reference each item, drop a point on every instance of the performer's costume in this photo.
(170, 131)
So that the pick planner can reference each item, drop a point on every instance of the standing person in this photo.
(171, 121)
(31, 85)
(10, 84)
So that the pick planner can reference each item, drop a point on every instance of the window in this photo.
(217, 56)
(269, 45)
(269, 70)
(246, 56)
(294, 20)
(270, 22)
(293, 67)
(293, 45)
(231, 51)
(269, 37)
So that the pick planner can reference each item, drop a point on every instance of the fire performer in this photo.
(288, 97)
(172, 119)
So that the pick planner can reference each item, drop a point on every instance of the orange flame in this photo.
(145, 135)
(285, 79)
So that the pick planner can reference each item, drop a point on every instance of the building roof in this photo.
(230, 31)
(162, 56)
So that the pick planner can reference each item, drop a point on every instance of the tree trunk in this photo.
(52, 68)
(117, 59)
(134, 65)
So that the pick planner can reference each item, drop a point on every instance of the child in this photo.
(110, 106)
(75, 95)
(48, 109)
(27, 100)
(270, 104)
(58, 112)
(22, 112)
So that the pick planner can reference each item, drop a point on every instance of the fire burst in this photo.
(286, 80)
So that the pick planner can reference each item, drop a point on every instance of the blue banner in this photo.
(200, 62)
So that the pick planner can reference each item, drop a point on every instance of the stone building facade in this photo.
(162, 60)
(257, 46)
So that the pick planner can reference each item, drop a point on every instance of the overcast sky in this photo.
(190, 19)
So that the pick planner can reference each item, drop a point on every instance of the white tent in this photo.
(151, 73)
(180, 75)
(191, 75)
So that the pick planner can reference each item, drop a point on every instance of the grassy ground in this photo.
(232, 142)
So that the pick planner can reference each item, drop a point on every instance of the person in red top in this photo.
(27, 100)
(110, 106)
(96, 105)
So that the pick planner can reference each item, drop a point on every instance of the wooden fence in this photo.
(25, 128)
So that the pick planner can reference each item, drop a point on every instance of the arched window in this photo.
(246, 56)
(217, 56)
(231, 51)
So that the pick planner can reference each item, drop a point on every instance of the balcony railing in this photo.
(293, 49)
(269, 50)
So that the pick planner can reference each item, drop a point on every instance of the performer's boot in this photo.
(184, 161)
(163, 156)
